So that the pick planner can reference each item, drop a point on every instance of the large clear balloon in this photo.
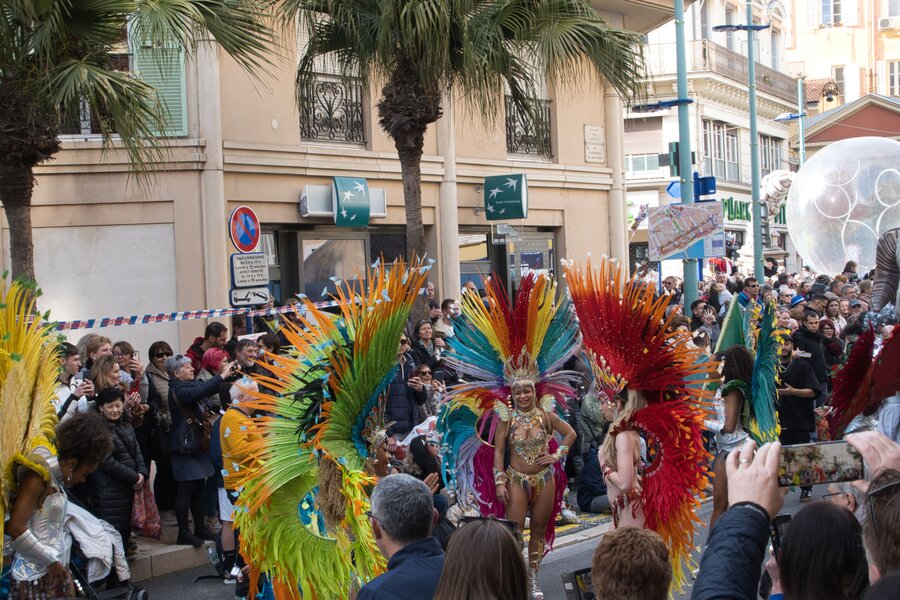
(842, 200)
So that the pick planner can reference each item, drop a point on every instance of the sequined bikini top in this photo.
(526, 445)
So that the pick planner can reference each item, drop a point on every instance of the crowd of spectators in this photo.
(148, 407)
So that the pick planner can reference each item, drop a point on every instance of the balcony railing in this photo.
(331, 109)
(528, 132)
(704, 55)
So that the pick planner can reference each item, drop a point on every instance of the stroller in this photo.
(78, 567)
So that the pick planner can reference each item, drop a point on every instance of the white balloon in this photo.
(842, 200)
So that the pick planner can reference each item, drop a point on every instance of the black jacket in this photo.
(731, 564)
(809, 341)
(402, 400)
(191, 396)
(112, 483)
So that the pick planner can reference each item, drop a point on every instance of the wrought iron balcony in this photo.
(528, 132)
(331, 109)
(705, 55)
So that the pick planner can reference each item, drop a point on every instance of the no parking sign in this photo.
(243, 225)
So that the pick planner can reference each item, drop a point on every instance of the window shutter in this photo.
(849, 13)
(162, 67)
(893, 8)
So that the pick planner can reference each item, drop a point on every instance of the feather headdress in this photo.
(29, 365)
(497, 344)
(625, 334)
(303, 498)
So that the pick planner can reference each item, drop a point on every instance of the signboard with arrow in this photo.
(506, 197)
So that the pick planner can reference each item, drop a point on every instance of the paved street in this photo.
(572, 558)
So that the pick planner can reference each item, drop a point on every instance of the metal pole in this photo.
(754, 153)
(801, 110)
(684, 147)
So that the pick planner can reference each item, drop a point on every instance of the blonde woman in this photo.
(620, 457)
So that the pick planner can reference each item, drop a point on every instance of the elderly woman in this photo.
(190, 463)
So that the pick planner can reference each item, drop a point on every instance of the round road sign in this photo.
(243, 225)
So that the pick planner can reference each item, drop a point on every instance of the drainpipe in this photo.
(615, 160)
(447, 205)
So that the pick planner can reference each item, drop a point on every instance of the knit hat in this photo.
(797, 300)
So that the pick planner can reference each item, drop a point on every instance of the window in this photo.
(331, 106)
(775, 40)
(837, 73)
(894, 78)
(831, 13)
(729, 35)
(720, 151)
(704, 21)
(157, 64)
(332, 261)
(770, 153)
(637, 163)
(893, 8)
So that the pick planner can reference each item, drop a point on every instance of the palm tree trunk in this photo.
(411, 172)
(16, 187)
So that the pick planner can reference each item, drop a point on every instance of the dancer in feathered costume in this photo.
(646, 380)
(512, 356)
(33, 479)
(303, 494)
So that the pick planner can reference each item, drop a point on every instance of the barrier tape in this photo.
(187, 315)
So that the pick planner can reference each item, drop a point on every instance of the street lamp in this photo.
(798, 116)
(756, 204)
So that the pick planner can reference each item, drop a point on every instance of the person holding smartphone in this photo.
(796, 402)
(72, 391)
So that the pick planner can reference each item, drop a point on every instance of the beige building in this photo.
(105, 245)
(854, 42)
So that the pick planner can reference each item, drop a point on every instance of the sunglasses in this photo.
(404, 342)
(163, 354)
(424, 373)
(877, 492)
(511, 525)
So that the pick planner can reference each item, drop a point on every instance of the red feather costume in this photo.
(624, 332)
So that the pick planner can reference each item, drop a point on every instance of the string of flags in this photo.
(213, 313)
(187, 315)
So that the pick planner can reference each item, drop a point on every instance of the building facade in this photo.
(108, 244)
(854, 42)
(719, 119)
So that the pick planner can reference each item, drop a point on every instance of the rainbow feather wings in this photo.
(314, 432)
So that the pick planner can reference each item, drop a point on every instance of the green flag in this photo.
(732, 330)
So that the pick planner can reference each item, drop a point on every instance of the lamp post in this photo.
(756, 203)
(684, 146)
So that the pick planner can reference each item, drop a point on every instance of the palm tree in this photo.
(55, 60)
(423, 49)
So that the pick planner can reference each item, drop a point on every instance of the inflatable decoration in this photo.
(842, 200)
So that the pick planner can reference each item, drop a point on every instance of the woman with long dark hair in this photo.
(822, 556)
(732, 420)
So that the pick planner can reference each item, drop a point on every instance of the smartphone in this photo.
(440, 375)
(136, 355)
(802, 354)
(777, 528)
(824, 462)
(578, 585)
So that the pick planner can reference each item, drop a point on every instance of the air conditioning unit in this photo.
(317, 201)
(888, 23)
